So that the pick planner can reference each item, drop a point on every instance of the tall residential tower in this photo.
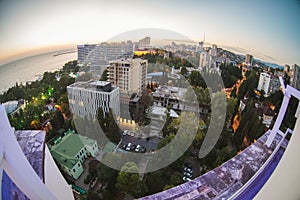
(129, 75)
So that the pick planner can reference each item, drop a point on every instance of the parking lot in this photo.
(145, 144)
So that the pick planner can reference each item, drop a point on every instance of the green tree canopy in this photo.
(128, 181)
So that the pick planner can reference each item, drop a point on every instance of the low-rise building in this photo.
(174, 97)
(71, 151)
(266, 114)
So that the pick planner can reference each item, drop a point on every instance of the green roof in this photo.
(69, 145)
(63, 160)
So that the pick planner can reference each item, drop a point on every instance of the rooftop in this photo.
(102, 86)
(225, 180)
(171, 92)
(65, 150)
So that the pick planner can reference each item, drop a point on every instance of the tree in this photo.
(196, 79)
(128, 180)
(183, 71)
(113, 131)
(144, 104)
(231, 107)
(104, 76)
(166, 140)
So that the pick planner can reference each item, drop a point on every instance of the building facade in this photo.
(71, 151)
(129, 75)
(97, 56)
(268, 83)
(249, 59)
(203, 59)
(295, 80)
(86, 97)
(144, 43)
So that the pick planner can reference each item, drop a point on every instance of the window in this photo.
(74, 170)
(79, 164)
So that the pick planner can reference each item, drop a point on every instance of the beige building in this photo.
(129, 75)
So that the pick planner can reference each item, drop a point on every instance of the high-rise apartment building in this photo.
(204, 60)
(213, 50)
(86, 97)
(89, 53)
(97, 56)
(295, 79)
(249, 59)
(268, 83)
(129, 75)
(144, 43)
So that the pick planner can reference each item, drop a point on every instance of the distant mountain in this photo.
(272, 65)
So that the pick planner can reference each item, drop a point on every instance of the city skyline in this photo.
(266, 30)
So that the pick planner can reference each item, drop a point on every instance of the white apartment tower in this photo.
(144, 43)
(295, 79)
(249, 59)
(213, 51)
(204, 60)
(129, 75)
(268, 83)
(86, 97)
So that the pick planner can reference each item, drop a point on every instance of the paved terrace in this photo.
(225, 180)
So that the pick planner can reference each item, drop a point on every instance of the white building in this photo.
(295, 79)
(129, 75)
(203, 59)
(268, 83)
(97, 56)
(71, 151)
(249, 59)
(86, 97)
(144, 43)
(10, 106)
(213, 51)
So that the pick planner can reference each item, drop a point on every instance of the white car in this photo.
(137, 149)
(187, 174)
(125, 132)
(186, 178)
(189, 170)
(128, 148)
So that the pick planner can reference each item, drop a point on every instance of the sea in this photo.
(32, 68)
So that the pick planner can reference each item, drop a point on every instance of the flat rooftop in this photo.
(102, 86)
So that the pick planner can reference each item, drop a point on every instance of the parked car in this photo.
(129, 146)
(188, 174)
(137, 149)
(126, 132)
(187, 169)
(186, 179)
(143, 150)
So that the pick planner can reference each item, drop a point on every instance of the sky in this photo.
(266, 29)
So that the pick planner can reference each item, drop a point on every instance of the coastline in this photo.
(31, 68)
